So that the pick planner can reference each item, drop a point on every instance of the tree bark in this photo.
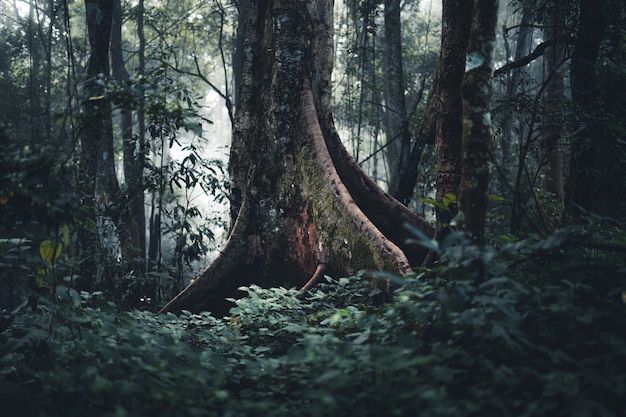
(97, 179)
(582, 179)
(456, 18)
(477, 129)
(551, 143)
(133, 231)
(293, 210)
(513, 126)
(243, 6)
(395, 104)
(515, 85)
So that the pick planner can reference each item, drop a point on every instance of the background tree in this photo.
(362, 113)
(398, 134)
(511, 120)
(477, 129)
(553, 141)
(97, 183)
(456, 18)
(597, 154)
(420, 164)
(516, 106)
(35, 129)
(62, 114)
(133, 154)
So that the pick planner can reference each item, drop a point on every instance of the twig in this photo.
(536, 53)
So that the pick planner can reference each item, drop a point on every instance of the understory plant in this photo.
(542, 335)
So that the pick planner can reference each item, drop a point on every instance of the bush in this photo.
(517, 344)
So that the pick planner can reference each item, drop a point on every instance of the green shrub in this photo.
(518, 344)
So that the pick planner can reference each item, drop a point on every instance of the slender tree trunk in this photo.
(426, 134)
(293, 212)
(154, 237)
(365, 40)
(456, 17)
(477, 129)
(513, 127)
(395, 104)
(551, 143)
(582, 179)
(47, 124)
(97, 180)
(34, 78)
(133, 223)
(514, 86)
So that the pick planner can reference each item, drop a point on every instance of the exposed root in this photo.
(387, 249)
(219, 280)
(384, 211)
(319, 273)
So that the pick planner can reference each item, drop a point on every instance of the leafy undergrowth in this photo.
(544, 335)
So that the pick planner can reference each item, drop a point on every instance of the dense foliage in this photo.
(161, 154)
(542, 336)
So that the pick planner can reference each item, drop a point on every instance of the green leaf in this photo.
(126, 320)
(65, 229)
(48, 252)
(496, 197)
(434, 203)
(507, 238)
(448, 199)
(422, 239)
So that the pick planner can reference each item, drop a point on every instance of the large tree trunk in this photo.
(297, 198)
